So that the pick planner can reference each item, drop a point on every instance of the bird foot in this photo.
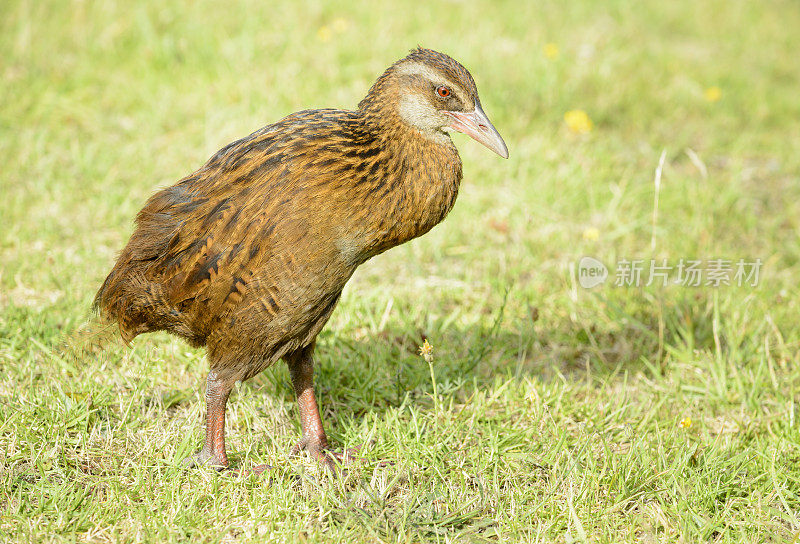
(205, 458)
(245, 472)
(335, 461)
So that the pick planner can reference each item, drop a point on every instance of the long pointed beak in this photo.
(476, 125)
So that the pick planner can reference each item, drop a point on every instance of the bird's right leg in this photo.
(213, 452)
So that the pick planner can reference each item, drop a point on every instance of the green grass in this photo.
(557, 409)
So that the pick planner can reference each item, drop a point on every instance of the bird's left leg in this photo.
(314, 440)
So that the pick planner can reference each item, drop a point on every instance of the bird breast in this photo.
(415, 193)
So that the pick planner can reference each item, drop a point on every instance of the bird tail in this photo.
(135, 304)
(87, 341)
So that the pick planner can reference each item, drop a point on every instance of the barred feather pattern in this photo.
(249, 254)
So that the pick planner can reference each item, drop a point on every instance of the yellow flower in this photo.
(712, 94)
(324, 34)
(550, 50)
(578, 122)
(426, 350)
(685, 423)
(591, 234)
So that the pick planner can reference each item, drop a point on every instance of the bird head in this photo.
(434, 94)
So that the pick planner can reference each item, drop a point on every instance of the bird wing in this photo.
(233, 226)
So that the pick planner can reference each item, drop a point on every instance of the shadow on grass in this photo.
(375, 373)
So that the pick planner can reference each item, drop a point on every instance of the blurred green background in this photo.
(551, 412)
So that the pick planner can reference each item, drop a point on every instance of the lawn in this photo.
(550, 412)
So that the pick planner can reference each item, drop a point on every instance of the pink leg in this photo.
(301, 369)
(314, 440)
(213, 452)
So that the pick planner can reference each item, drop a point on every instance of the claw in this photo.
(335, 461)
(203, 458)
(245, 472)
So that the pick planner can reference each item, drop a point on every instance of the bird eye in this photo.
(442, 91)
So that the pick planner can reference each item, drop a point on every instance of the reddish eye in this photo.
(443, 91)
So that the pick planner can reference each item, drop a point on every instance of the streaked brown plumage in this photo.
(249, 254)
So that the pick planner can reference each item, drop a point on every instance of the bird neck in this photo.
(415, 181)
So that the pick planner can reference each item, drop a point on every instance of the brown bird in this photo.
(249, 254)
